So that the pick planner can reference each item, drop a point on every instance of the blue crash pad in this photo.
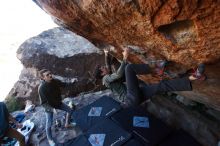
(142, 125)
(107, 133)
(134, 142)
(78, 141)
(95, 112)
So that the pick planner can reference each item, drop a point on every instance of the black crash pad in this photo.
(134, 142)
(180, 138)
(110, 133)
(142, 125)
(78, 141)
(95, 112)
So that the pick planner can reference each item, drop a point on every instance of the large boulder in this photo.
(185, 32)
(68, 56)
(26, 87)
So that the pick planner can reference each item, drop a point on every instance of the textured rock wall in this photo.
(68, 56)
(193, 25)
(207, 92)
(204, 128)
(186, 32)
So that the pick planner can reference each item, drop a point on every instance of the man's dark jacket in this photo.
(3, 119)
(50, 92)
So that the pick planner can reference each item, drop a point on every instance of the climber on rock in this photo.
(133, 91)
(50, 98)
(111, 62)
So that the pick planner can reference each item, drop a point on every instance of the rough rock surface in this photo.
(68, 56)
(202, 123)
(186, 32)
(26, 86)
(207, 92)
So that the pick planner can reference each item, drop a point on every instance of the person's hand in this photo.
(125, 53)
(112, 49)
(106, 51)
(74, 80)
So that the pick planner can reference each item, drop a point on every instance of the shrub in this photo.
(13, 104)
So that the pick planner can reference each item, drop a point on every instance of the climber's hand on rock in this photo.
(126, 53)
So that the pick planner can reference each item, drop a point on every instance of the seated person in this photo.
(5, 130)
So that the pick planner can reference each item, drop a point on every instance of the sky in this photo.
(20, 20)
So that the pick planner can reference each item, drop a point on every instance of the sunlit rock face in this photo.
(186, 32)
(183, 31)
(68, 56)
